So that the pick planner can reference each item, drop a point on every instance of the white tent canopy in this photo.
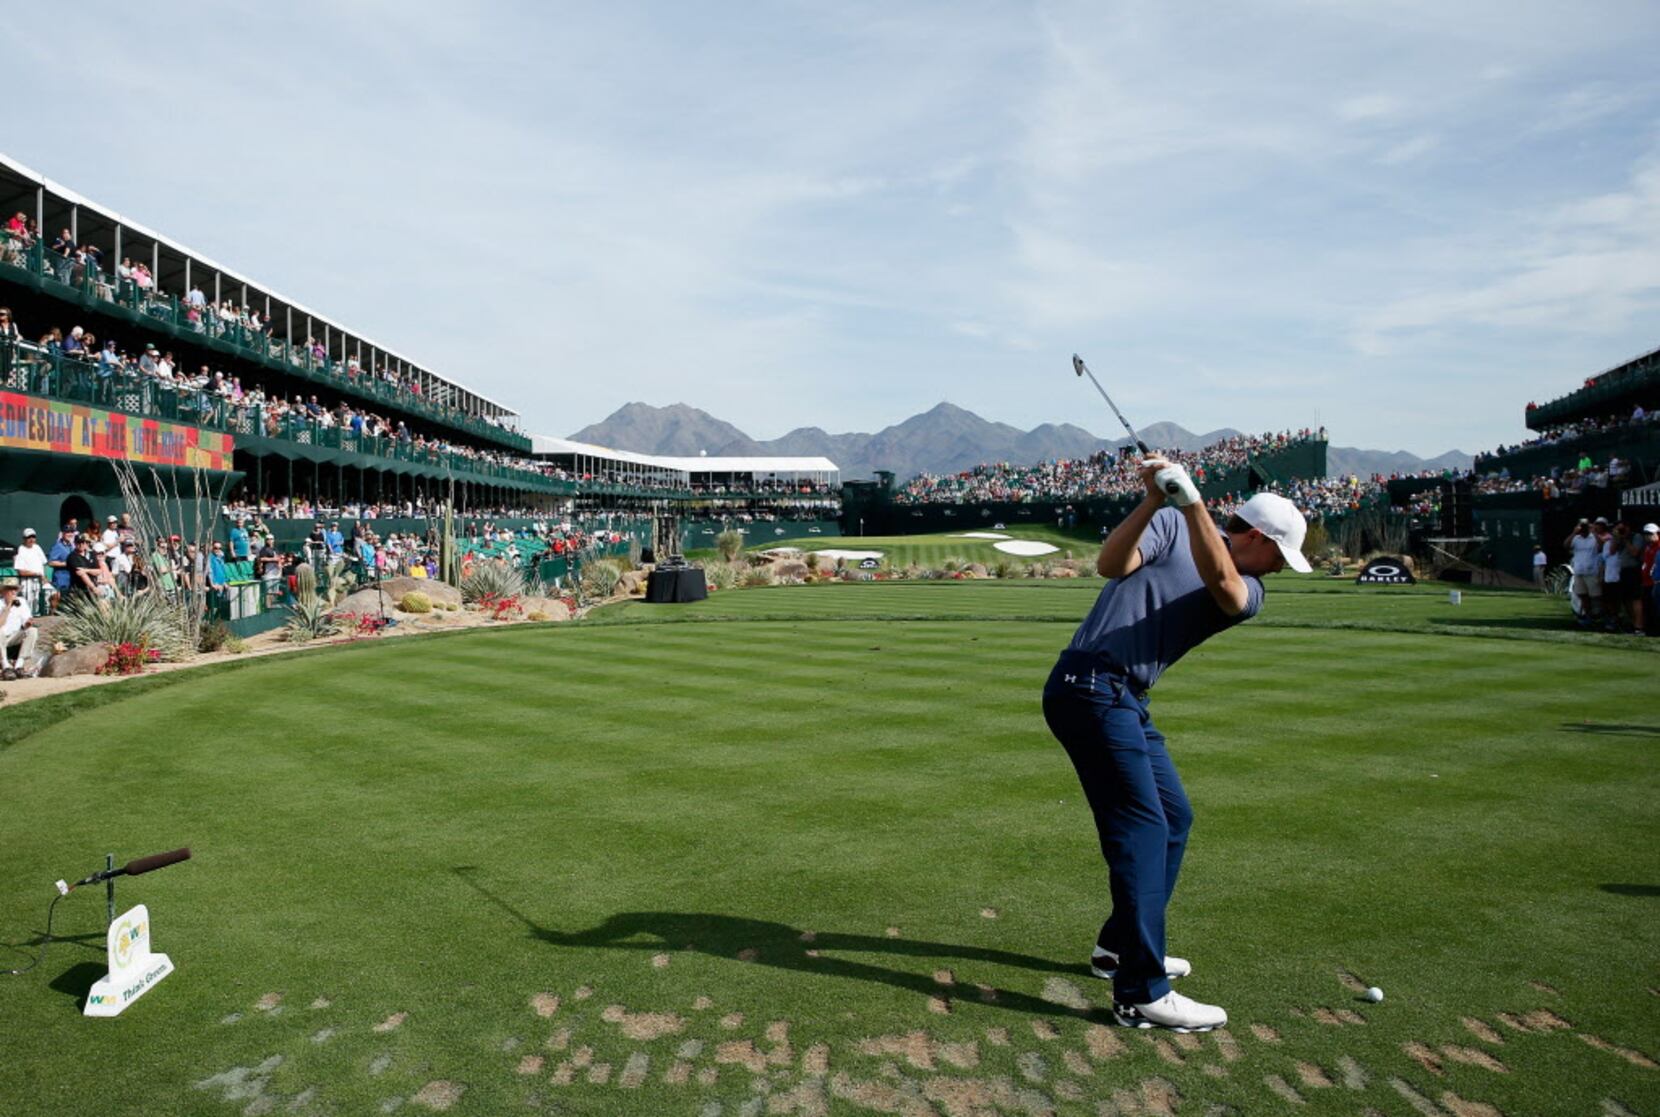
(817, 468)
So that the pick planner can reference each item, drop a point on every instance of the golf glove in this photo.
(1178, 488)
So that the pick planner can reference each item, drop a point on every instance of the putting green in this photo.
(807, 858)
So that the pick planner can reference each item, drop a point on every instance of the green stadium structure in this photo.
(1597, 454)
(232, 400)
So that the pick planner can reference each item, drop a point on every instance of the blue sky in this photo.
(1402, 221)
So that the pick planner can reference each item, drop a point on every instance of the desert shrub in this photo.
(600, 578)
(235, 646)
(952, 565)
(215, 635)
(308, 619)
(147, 619)
(415, 602)
(730, 544)
(812, 560)
(1316, 542)
(721, 575)
(760, 576)
(492, 579)
(1005, 568)
(537, 615)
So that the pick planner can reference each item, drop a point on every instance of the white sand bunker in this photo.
(1025, 547)
(855, 555)
(981, 535)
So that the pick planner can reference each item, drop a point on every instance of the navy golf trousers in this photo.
(1141, 811)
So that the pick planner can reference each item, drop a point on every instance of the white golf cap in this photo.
(28, 531)
(1650, 529)
(1278, 519)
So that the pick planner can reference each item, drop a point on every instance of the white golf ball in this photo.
(1374, 994)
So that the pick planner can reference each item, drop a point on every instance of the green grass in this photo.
(446, 827)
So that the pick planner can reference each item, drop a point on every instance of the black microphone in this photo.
(140, 865)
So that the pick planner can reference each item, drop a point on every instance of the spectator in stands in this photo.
(1540, 564)
(83, 569)
(239, 541)
(161, 569)
(30, 564)
(17, 632)
(218, 574)
(120, 562)
(111, 538)
(268, 567)
(58, 560)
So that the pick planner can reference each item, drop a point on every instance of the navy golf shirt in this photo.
(1146, 621)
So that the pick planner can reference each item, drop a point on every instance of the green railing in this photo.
(49, 373)
(203, 326)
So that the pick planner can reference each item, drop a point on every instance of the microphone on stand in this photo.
(138, 866)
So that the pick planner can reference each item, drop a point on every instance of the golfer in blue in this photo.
(1177, 580)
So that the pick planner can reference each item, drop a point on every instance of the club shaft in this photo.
(1135, 438)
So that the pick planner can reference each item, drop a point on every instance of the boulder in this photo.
(438, 591)
(790, 569)
(978, 569)
(367, 601)
(632, 582)
(77, 661)
(554, 608)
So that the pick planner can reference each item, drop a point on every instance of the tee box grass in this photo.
(812, 850)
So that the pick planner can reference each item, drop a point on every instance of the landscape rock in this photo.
(77, 661)
(438, 591)
(790, 569)
(552, 606)
(978, 569)
(632, 582)
(367, 601)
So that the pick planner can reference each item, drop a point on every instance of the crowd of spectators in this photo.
(1102, 474)
(1321, 498)
(1568, 433)
(81, 264)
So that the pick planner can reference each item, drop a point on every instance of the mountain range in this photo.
(944, 439)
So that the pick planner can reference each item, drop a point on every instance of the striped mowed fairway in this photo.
(795, 854)
(932, 551)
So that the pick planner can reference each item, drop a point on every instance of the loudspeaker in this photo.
(1457, 509)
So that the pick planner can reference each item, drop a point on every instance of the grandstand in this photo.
(1099, 489)
(1596, 453)
(119, 343)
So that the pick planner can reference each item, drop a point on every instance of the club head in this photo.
(1077, 365)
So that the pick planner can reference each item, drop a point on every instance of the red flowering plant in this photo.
(499, 606)
(355, 625)
(129, 659)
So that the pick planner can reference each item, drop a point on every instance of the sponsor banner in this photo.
(33, 423)
(1386, 571)
(134, 970)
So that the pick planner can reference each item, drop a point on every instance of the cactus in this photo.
(415, 602)
(305, 580)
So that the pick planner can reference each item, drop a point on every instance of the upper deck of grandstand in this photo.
(57, 248)
(1618, 390)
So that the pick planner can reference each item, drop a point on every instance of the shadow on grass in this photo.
(1649, 890)
(781, 946)
(1612, 729)
(78, 980)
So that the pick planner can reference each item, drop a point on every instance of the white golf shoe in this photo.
(1172, 1011)
(1104, 964)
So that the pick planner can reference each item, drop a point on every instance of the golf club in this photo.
(1082, 369)
(1168, 479)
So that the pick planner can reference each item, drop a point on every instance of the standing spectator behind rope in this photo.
(1651, 591)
